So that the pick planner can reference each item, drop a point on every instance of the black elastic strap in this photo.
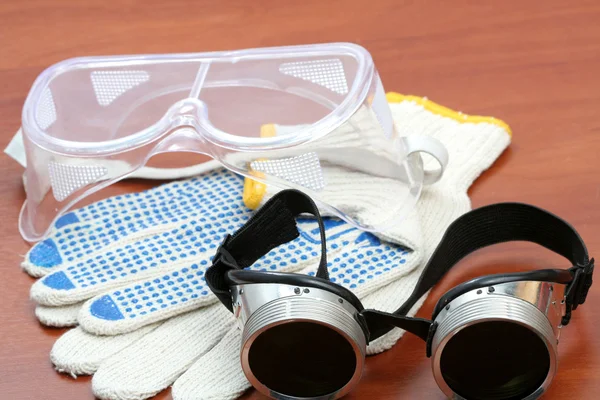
(379, 323)
(500, 223)
(274, 224)
(490, 225)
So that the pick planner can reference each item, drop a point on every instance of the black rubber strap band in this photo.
(379, 323)
(490, 225)
(274, 224)
(494, 224)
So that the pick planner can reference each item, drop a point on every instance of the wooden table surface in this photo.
(535, 65)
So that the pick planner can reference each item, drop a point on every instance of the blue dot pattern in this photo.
(175, 289)
(146, 297)
(367, 264)
(98, 225)
(45, 254)
(188, 241)
(194, 236)
(169, 263)
(361, 259)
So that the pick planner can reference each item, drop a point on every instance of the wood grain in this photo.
(533, 64)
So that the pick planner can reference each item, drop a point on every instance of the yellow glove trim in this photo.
(393, 97)
(253, 194)
(255, 191)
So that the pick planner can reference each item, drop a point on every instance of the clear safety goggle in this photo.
(291, 117)
(305, 337)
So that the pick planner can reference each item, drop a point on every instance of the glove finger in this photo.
(217, 375)
(166, 247)
(183, 289)
(112, 270)
(98, 227)
(154, 362)
(80, 353)
(58, 317)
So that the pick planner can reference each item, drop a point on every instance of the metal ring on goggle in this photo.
(305, 337)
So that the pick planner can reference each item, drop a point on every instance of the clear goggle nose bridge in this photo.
(304, 117)
(515, 316)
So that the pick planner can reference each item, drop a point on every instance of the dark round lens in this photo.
(495, 360)
(302, 359)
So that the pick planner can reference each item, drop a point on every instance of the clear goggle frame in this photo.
(306, 117)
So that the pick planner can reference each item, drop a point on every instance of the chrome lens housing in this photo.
(299, 342)
(518, 326)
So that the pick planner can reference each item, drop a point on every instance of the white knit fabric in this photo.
(199, 350)
(58, 317)
(156, 360)
(215, 377)
(78, 352)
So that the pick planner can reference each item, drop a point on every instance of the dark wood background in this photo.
(535, 65)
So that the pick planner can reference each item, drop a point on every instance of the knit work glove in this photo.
(157, 344)
(136, 268)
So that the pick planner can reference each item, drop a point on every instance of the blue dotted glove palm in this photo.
(130, 271)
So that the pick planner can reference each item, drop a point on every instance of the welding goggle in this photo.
(305, 337)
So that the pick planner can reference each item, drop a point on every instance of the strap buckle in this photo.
(223, 256)
(579, 287)
(222, 262)
(582, 281)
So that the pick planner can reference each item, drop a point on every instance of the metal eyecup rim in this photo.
(342, 322)
(543, 332)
